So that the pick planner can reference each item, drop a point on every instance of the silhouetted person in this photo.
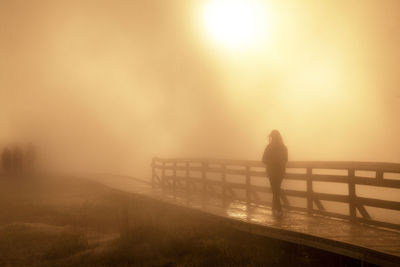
(6, 160)
(275, 158)
(30, 157)
(17, 159)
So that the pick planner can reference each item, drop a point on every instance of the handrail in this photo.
(359, 165)
(250, 168)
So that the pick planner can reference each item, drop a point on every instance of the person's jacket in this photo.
(275, 157)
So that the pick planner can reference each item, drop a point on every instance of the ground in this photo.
(61, 221)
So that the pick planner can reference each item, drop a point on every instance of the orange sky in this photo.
(108, 84)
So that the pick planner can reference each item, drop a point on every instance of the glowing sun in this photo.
(236, 23)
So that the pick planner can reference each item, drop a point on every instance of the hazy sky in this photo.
(106, 85)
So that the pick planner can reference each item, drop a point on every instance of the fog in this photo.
(106, 85)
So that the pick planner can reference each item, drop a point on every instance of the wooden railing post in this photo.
(223, 180)
(187, 180)
(379, 175)
(174, 179)
(163, 177)
(309, 190)
(152, 173)
(352, 195)
(248, 184)
(204, 181)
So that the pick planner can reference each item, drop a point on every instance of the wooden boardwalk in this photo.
(361, 237)
(364, 242)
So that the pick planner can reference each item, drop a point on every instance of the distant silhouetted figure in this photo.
(17, 159)
(275, 158)
(30, 157)
(6, 160)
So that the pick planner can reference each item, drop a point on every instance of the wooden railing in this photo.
(176, 175)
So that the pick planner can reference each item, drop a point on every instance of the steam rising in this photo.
(105, 85)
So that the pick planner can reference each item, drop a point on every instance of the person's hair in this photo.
(275, 137)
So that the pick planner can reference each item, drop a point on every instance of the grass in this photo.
(79, 223)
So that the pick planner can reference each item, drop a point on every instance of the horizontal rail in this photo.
(334, 165)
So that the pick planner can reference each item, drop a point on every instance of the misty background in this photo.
(101, 85)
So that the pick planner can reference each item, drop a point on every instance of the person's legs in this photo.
(275, 194)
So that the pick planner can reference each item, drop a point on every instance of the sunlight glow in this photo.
(315, 81)
(236, 23)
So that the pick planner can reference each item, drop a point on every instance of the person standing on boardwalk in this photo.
(30, 157)
(275, 158)
(6, 160)
(17, 159)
